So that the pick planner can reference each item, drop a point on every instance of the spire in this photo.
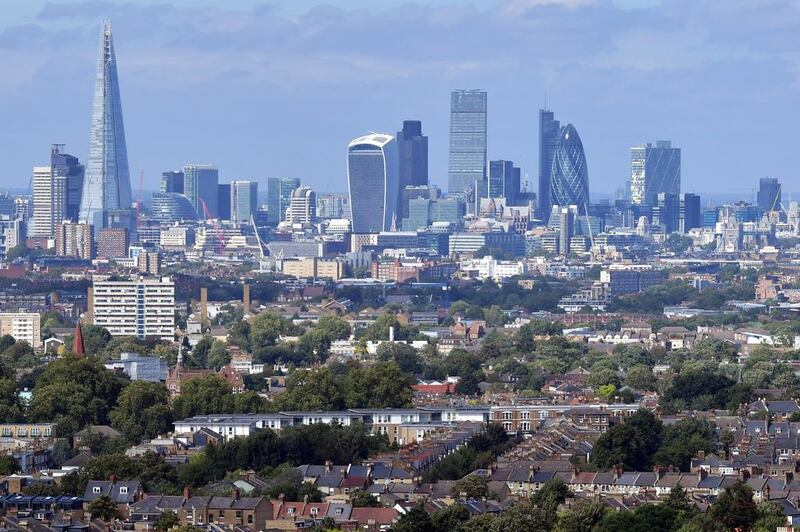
(77, 341)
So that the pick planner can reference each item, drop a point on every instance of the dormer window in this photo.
(123, 490)
(314, 511)
(290, 511)
(96, 489)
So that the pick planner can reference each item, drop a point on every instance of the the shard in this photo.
(106, 198)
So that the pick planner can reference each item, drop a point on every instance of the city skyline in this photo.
(607, 129)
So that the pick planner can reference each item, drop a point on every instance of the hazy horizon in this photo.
(267, 89)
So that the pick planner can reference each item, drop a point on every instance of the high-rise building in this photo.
(224, 198)
(666, 211)
(107, 184)
(504, 181)
(302, 207)
(654, 169)
(690, 214)
(112, 243)
(23, 326)
(23, 208)
(279, 195)
(569, 179)
(142, 307)
(67, 168)
(467, 141)
(172, 181)
(170, 207)
(549, 129)
(372, 172)
(412, 148)
(43, 199)
(769, 194)
(244, 201)
(330, 206)
(74, 240)
(409, 193)
(200, 185)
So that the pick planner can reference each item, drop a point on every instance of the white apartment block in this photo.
(23, 326)
(49, 202)
(140, 307)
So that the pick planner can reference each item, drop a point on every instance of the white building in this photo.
(138, 307)
(49, 202)
(176, 237)
(302, 207)
(487, 267)
(23, 326)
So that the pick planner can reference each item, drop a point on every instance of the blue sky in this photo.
(266, 88)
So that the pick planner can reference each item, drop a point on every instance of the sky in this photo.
(278, 88)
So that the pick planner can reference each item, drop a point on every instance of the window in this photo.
(314, 511)
(506, 415)
(249, 519)
(526, 415)
(95, 489)
(123, 490)
(290, 511)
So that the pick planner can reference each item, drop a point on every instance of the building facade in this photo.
(23, 326)
(412, 147)
(74, 240)
(654, 169)
(302, 207)
(549, 129)
(112, 242)
(372, 171)
(172, 181)
(170, 207)
(467, 164)
(769, 194)
(279, 195)
(244, 201)
(141, 307)
(569, 179)
(107, 185)
(200, 186)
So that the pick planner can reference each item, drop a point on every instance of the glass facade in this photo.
(224, 201)
(244, 201)
(107, 184)
(279, 197)
(549, 129)
(769, 194)
(467, 141)
(200, 185)
(171, 207)
(68, 167)
(372, 170)
(172, 181)
(569, 179)
(654, 169)
(412, 147)
(504, 181)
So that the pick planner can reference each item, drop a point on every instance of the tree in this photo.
(414, 520)
(167, 520)
(770, 517)
(142, 411)
(362, 499)
(18, 251)
(583, 516)
(472, 487)
(641, 378)
(8, 465)
(265, 328)
(333, 327)
(450, 519)
(405, 355)
(316, 389)
(218, 355)
(103, 508)
(208, 394)
(553, 493)
(630, 445)
(735, 507)
(381, 385)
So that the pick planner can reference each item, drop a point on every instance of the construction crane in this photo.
(216, 226)
(263, 263)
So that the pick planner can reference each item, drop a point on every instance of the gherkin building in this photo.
(569, 176)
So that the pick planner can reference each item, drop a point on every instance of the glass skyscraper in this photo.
(171, 207)
(224, 201)
(467, 141)
(412, 147)
(107, 184)
(279, 197)
(569, 179)
(200, 186)
(504, 181)
(549, 129)
(372, 171)
(244, 201)
(769, 194)
(172, 181)
(654, 169)
(67, 167)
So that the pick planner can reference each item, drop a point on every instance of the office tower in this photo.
(142, 307)
(372, 179)
(769, 194)
(200, 185)
(67, 168)
(13, 233)
(107, 184)
(412, 148)
(170, 207)
(504, 181)
(330, 206)
(74, 240)
(302, 207)
(569, 179)
(23, 208)
(412, 192)
(654, 169)
(467, 141)
(666, 212)
(244, 201)
(690, 216)
(42, 225)
(566, 228)
(112, 243)
(172, 181)
(279, 195)
(7, 205)
(549, 129)
(224, 205)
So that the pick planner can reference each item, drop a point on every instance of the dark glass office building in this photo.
(224, 201)
(172, 181)
(63, 165)
(412, 148)
(171, 207)
(504, 181)
(549, 129)
(467, 141)
(372, 172)
(769, 194)
(200, 185)
(569, 179)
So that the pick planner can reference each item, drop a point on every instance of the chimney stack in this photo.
(89, 318)
(187, 492)
(246, 299)
(391, 334)
(203, 305)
